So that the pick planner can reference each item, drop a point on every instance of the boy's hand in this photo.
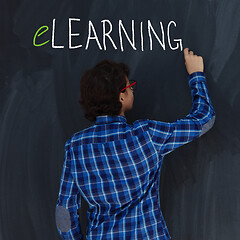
(193, 62)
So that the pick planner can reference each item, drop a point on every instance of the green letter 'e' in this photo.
(37, 35)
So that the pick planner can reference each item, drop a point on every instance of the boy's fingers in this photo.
(186, 51)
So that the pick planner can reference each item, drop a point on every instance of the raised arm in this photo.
(168, 136)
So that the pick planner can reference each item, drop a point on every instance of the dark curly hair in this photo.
(100, 88)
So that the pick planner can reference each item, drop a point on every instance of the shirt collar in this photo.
(110, 119)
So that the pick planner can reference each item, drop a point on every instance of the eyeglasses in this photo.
(133, 85)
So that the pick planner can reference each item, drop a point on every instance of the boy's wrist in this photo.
(196, 76)
(196, 72)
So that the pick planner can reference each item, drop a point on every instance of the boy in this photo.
(115, 166)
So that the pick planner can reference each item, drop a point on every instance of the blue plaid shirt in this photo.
(116, 167)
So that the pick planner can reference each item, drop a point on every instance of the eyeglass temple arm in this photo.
(128, 86)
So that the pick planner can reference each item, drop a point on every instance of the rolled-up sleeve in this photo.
(168, 136)
(69, 201)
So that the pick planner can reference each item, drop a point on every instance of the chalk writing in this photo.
(122, 33)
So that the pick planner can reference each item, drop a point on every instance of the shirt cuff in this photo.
(196, 77)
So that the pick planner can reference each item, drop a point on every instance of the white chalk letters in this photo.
(105, 40)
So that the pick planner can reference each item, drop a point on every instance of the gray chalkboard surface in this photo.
(45, 48)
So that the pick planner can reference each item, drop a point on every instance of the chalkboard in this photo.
(46, 46)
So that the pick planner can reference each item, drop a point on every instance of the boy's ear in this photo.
(121, 97)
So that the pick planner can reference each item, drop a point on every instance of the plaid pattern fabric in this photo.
(116, 167)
